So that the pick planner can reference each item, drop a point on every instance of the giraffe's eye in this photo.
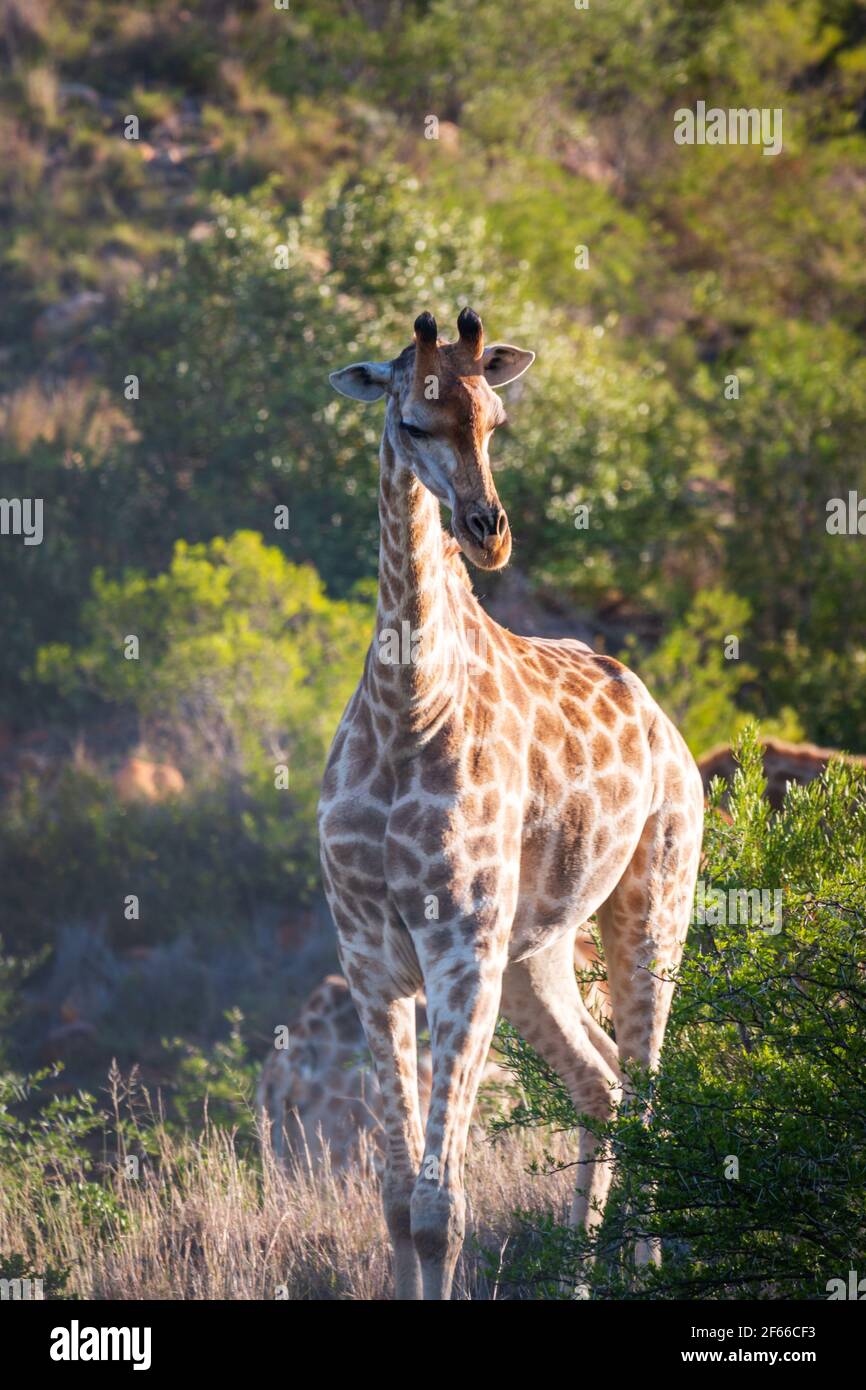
(413, 431)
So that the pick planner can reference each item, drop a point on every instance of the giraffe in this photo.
(320, 1093)
(316, 1092)
(485, 794)
(784, 763)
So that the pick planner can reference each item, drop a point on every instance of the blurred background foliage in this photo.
(282, 213)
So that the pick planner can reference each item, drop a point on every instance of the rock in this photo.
(292, 933)
(79, 91)
(201, 231)
(138, 779)
(449, 135)
(68, 314)
(68, 1040)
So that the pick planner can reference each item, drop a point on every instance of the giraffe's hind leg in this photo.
(643, 925)
(541, 998)
(602, 1040)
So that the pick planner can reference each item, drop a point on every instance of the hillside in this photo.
(204, 210)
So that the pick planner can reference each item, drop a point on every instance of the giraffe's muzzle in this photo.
(483, 534)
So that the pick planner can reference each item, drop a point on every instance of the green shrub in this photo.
(789, 444)
(245, 667)
(216, 1087)
(697, 674)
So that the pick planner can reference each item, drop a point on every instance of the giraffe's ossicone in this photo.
(484, 796)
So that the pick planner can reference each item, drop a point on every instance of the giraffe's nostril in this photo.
(477, 525)
(486, 523)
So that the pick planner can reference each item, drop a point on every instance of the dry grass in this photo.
(69, 413)
(42, 92)
(204, 1222)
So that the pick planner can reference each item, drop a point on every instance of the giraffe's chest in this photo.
(473, 823)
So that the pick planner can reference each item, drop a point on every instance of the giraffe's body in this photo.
(784, 764)
(320, 1091)
(482, 800)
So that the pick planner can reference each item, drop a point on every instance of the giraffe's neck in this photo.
(418, 656)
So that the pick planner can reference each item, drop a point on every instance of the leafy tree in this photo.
(245, 666)
(791, 442)
(243, 660)
(596, 471)
(696, 673)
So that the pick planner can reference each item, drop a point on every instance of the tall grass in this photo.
(205, 1220)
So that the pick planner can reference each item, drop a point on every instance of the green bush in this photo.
(216, 1087)
(789, 444)
(245, 667)
(45, 1149)
(697, 674)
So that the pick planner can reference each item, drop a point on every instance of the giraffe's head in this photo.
(441, 413)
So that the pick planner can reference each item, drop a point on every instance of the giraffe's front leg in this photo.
(463, 981)
(389, 1025)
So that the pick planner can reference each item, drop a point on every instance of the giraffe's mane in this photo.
(454, 558)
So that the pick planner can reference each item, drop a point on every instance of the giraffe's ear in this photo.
(503, 363)
(365, 381)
